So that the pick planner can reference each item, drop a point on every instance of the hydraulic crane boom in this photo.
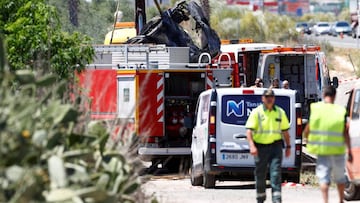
(140, 15)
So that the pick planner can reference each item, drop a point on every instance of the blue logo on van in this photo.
(235, 108)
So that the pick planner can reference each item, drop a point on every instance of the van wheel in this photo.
(352, 191)
(208, 180)
(195, 180)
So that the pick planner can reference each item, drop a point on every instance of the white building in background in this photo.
(334, 6)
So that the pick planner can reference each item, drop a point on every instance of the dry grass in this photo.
(350, 60)
(309, 178)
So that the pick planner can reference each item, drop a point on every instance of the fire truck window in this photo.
(356, 106)
(126, 94)
(184, 84)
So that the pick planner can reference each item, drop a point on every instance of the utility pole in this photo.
(140, 15)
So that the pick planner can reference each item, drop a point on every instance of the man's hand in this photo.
(253, 150)
(287, 152)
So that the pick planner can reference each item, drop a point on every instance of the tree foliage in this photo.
(235, 23)
(35, 39)
(50, 152)
(95, 18)
(318, 17)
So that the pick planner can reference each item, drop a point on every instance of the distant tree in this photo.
(73, 12)
(35, 40)
(205, 4)
(95, 18)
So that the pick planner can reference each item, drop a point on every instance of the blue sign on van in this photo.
(235, 109)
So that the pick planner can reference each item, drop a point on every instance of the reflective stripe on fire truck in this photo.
(209, 79)
(160, 99)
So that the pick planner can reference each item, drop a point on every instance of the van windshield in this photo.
(237, 108)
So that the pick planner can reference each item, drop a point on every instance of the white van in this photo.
(219, 148)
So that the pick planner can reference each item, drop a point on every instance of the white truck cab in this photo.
(219, 148)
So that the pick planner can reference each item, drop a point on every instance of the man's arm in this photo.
(253, 149)
(287, 142)
(286, 137)
(306, 131)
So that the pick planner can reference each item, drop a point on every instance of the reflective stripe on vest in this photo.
(326, 133)
(326, 130)
(265, 136)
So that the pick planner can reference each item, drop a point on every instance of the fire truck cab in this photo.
(153, 89)
(246, 56)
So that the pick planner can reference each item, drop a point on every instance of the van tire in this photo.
(352, 191)
(208, 180)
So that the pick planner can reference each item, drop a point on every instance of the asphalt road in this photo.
(346, 42)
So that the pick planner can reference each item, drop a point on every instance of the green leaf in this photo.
(14, 173)
(25, 76)
(59, 195)
(39, 138)
(47, 80)
(131, 188)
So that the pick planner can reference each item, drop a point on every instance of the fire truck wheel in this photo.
(195, 181)
(208, 180)
(293, 178)
(352, 191)
(173, 165)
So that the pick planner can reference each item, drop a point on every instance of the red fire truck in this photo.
(152, 89)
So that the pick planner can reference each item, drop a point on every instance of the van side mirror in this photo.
(335, 82)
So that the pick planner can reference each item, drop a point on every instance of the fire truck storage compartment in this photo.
(156, 56)
(126, 97)
(181, 92)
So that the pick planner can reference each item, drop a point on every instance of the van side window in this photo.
(195, 122)
(356, 106)
(204, 109)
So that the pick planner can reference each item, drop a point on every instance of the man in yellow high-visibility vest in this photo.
(267, 126)
(327, 137)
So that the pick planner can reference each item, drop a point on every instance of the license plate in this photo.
(233, 156)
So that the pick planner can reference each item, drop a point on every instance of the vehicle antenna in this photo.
(115, 19)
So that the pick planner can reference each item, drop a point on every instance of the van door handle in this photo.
(239, 136)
